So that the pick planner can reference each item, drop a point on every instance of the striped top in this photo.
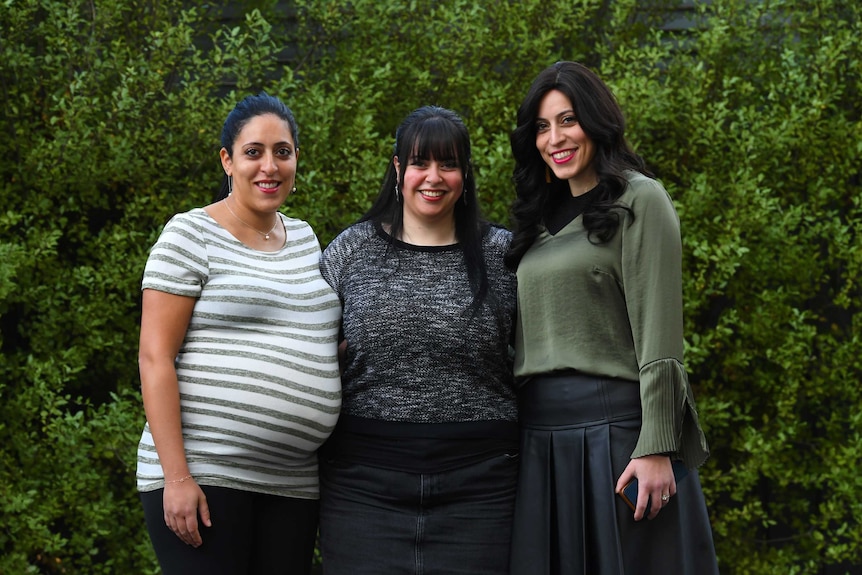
(258, 369)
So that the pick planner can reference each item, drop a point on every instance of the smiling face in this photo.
(563, 144)
(262, 164)
(431, 189)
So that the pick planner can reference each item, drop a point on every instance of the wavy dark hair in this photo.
(601, 118)
(435, 133)
(252, 107)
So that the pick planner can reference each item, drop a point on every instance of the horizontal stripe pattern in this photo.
(258, 369)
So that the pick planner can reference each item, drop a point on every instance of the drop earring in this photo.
(229, 185)
(397, 195)
(547, 175)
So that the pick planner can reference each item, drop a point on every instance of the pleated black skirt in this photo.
(577, 436)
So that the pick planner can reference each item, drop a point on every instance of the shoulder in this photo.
(645, 195)
(497, 238)
(300, 230)
(294, 223)
(195, 218)
(349, 241)
(353, 236)
(178, 262)
(341, 254)
(641, 188)
(653, 218)
(187, 228)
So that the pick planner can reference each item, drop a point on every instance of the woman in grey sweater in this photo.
(419, 475)
(604, 396)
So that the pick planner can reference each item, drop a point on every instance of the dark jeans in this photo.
(251, 534)
(377, 521)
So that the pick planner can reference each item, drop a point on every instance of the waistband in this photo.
(419, 447)
(574, 400)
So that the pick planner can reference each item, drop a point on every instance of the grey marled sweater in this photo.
(414, 353)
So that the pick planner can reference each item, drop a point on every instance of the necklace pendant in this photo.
(266, 237)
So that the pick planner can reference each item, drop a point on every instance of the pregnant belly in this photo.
(260, 421)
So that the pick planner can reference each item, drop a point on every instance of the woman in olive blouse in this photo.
(604, 396)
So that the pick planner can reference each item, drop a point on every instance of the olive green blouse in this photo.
(615, 310)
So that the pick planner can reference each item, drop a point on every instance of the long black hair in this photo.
(435, 133)
(602, 121)
(252, 107)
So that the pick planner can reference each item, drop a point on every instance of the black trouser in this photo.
(251, 534)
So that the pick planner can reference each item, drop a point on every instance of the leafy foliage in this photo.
(755, 127)
(749, 112)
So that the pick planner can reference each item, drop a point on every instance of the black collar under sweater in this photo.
(563, 207)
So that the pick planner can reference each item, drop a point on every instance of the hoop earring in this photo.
(547, 174)
(397, 196)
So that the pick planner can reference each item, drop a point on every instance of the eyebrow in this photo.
(562, 113)
(282, 143)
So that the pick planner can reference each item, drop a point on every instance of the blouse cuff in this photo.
(670, 423)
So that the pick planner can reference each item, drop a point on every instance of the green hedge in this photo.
(748, 111)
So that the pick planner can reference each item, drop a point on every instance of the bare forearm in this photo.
(162, 406)
(164, 321)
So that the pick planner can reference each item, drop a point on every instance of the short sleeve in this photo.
(178, 263)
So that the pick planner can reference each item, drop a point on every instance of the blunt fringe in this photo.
(435, 133)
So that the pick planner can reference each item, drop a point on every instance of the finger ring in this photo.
(665, 497)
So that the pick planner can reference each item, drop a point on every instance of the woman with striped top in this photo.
(238, 364)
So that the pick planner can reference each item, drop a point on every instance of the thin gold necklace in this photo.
(243, 222)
